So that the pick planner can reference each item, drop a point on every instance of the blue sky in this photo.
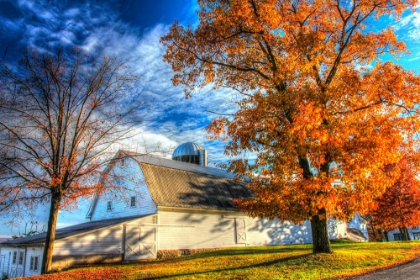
(131, 30)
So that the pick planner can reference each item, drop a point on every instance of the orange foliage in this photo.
(399, 206)
(84, 274)
(320, 110)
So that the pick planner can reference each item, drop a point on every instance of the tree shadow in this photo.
(262, 264)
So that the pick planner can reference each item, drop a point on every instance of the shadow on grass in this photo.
(249, 251)
(211, 254)
(374, 247)
(263, 264)
(227, 252)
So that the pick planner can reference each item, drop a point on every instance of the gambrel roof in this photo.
(186, 185)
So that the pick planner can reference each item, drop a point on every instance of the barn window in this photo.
(14, 257)
(133, 201)
(184, 252)
(109, 206)
(34, 263)
(20, 257)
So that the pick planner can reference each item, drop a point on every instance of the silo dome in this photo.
(190, 152)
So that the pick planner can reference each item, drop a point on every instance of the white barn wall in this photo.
(8, 267)
(336, 228)
(183, 230)
(15, 270)
(35, 252)
(358, 223)
(5, 260)
(130, 177)
(266, 232)
(102, 241)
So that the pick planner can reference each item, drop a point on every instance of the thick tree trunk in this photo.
(52, 224)
(320, 239)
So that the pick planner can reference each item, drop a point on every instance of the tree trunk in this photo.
(407, 234)
(404, 234)
(385, 234)
(320, 239)
(52, 225)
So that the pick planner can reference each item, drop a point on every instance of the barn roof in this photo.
(186, 185)
(70, 231)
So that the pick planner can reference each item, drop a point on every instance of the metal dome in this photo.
(187, 149)
(190, 152)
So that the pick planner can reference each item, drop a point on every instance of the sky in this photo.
(131, 31)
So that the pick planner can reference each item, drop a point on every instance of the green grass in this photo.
(273, 262)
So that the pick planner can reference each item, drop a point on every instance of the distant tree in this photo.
(399, 206)
(311, 112)
(59, 114)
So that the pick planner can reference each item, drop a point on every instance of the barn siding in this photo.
(35, 252)
(182, 230)
(130, 177)
(201, 230)
(102, 241)
(358, 223)
(7, 267)
(266, 232)
(336, 229)
(179, 230)
(5, 259)
(15, 270)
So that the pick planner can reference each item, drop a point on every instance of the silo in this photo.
(192, 153)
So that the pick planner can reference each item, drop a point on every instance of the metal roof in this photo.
(185, 185)
(180, 165)
(70, 231)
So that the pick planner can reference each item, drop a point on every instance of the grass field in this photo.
(273, 262)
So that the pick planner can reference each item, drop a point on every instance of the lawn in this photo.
(273, 262)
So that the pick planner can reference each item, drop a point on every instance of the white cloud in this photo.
(409, 25)
(171, 119)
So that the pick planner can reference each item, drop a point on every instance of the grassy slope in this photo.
(274, 262)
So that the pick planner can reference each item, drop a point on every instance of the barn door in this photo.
(148, 243)
(240, 231)
(17, 262)
(140, 243)
(132, 242)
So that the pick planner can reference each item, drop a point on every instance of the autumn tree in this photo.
(60, 112)
(399, 206)
(320, 110)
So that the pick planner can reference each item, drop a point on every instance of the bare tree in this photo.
(59, 114)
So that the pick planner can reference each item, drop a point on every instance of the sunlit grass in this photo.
(274, 262)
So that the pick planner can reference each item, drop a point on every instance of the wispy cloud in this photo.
(169, 115)
(408, 27)
(98, 29)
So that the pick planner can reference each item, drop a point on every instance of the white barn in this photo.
(170, 208)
